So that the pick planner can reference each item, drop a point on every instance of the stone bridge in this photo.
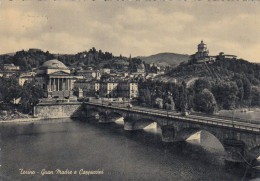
(240, 140)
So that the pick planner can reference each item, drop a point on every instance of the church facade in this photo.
(202, 55)
(55, 78)
(58, 81)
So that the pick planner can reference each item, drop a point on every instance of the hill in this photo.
(219, 70)
(33, 58)
(166, 59)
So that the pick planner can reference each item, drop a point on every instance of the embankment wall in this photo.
(63, 110)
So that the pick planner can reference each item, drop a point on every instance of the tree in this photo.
(9, 90)
(255, 96)
(31, 93)
(205, 102)
(201, 84)
(246, 87)
(158, 103)
(169, 103)
(225, 94)
(145, 96)
(183, 97)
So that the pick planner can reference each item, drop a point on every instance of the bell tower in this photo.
(202, 50)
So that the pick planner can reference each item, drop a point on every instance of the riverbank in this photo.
(15, 116)
(21, 120)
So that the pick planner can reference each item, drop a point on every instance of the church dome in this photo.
(54, 64)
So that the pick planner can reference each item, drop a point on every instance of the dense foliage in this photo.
(33, 59)
(12, 95)
(204, 95)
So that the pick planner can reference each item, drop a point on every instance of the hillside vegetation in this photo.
(219, 70)
(28, 60)
(166, 59)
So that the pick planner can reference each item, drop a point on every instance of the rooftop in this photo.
(54, 64)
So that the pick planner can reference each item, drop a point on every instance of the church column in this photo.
(55, 84)
(66, 84)
(49, 85)
(58, 84)
(52, 84)
(61, 87)
(70, 85)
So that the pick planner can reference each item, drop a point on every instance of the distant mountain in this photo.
(8, 54)
(165, 59)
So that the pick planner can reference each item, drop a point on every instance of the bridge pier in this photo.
(131, 123)
(168, 133)
(104, 118)
(128, 126)
(235, 150)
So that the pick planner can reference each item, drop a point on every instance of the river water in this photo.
(114, 154)
(252, 114)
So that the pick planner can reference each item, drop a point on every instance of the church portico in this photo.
(58, 80)
(60, 83)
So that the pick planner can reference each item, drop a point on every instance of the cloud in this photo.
(14, 21)
(136, 28)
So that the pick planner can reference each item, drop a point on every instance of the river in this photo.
(114, 154)
(252, 114)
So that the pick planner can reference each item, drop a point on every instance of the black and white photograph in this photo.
(130, 90)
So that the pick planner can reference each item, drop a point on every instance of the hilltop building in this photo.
(202, 55)
(34, 50)
(223, 56)
(11, 67)
(9, 70)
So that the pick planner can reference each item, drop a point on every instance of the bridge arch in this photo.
(235, 150)
(115, 116)
(92, 109)
(204, 137)
(143, 123)
(89, 113)
(255, 152)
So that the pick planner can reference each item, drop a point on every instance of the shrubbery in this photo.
(14, 96)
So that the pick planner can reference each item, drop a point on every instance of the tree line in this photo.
(204, 95)
(27, 60)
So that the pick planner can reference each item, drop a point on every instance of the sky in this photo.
(139, 28)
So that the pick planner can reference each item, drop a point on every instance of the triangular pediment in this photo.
(59, 73)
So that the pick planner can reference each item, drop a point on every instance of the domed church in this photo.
(202, 55)
(56, 79)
